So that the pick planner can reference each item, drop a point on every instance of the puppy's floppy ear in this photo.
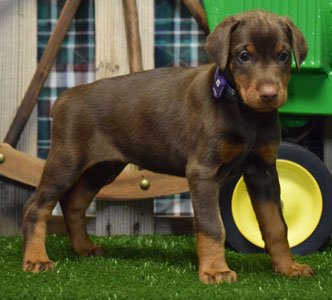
(298, 41)
(218, 42)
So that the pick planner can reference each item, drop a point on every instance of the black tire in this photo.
(318, 170)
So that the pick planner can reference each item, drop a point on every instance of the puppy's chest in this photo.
(235, 157)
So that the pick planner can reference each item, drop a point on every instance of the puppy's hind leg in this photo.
(57, 178)
(78, 199)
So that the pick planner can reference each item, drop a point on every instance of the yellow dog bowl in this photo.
(302, 205)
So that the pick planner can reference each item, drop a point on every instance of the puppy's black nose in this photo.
(268, 92)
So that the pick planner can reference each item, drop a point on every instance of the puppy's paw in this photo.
(92, 251)
(217, 276)
(294, 269)
(37, 266)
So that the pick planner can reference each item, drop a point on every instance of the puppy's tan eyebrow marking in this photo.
(280, 47)
(250, 48)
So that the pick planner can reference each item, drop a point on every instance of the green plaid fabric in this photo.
(74, 63)
(178, 42)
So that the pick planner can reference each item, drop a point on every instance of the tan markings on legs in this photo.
(212, 263)
(75, 205)
(229, 151)
(274, 234)
(269, 152)
(35, 258)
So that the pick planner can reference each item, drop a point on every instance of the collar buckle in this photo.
(222, 89)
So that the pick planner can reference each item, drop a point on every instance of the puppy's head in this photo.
(256, 47)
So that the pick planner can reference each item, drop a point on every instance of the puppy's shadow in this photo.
(176, 256)
(171, 256)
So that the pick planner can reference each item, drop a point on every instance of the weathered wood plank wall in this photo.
(18, 62)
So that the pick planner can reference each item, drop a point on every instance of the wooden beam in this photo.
(127, 186)
(134, 48)
(197, 11)
(27, 169)
(133, 36)
(43, 69)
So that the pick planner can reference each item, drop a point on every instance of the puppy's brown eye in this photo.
(283, 56)
(244, 56)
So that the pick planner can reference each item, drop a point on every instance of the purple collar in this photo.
(222, 89)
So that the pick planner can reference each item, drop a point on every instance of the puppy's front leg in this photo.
(210, 230)
(263, 186)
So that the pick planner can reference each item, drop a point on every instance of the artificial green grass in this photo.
(153, 267)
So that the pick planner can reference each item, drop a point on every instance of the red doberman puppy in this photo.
(207, 123)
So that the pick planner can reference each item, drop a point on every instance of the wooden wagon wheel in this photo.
(27, 169)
